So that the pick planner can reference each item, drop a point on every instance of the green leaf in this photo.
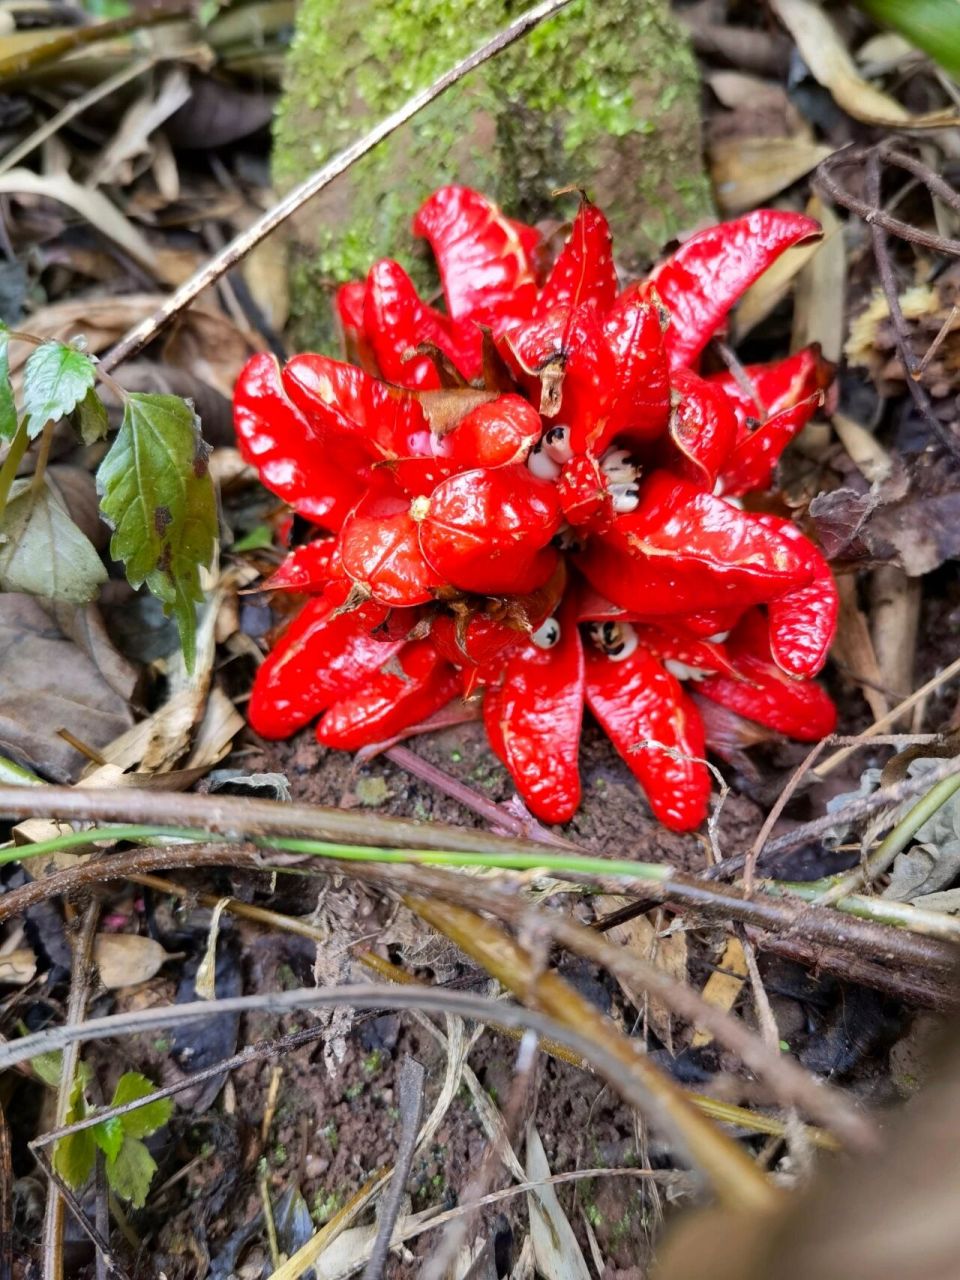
(131, 1173)
(48, 1067)
(258, 539)
(74, 1155)
(91, 417)
(931, 25)
(157, 494)
(8, 410)
(146, 1119)
(108, 1135)
(55, 379)
(43, 552)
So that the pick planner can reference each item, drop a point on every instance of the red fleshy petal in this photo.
(349, 300)
(533, 722)
(487, 531)
(798, 708)
(638, 398)
(803, 622)
(288, 454)
(583, 493)
(494, 434)
(685, 551)
(637, 701)
(670, 644)
(352, 409)
(413, 685)
(779, 384)
(750, 465)
(583, 271)
(480, 641)
(380, 546)
(484, 260)
(568, 344)
(397, 321)
(318, 659)
(710, 271)
(703, 428)
(305, 570)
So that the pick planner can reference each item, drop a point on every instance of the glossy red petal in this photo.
(287, 452)
(414, 684)
(778, 385)
(637, 701)
(703, 428)
(478, 641)
(305, 570)
(637, 401)
(750, 465)
(380, 546)
(583, 271)
(533, 722)
(397, 321)
(355, 411)
(349, 300)
(672, 644)
(566, 364)
(487, 531)
(494, 434)
(583, 493)
(803, 622)
(318, 659)
(484, 260)
(685, 551)
(710, 271)
(766, 694)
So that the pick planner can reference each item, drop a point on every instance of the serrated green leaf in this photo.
(74, 1155)
(131, 1173)
(108, 1135)
(43, 552)
(146, 1119)
(91, 417)
(156, 492)
(8, 409)
(55, 379)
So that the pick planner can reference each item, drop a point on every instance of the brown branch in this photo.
(870, 212)
(881, 253)
(238, 248)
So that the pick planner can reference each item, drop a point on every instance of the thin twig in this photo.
(931, 180)
(410, 1078)
(6, 1200)
(781, 802)
(73, 109)
(881, 253)
(138, 337)
(101, 1245)
(870, 213)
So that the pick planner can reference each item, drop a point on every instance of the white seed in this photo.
(547, 634)
(556, 444)
(542, 465)
(718, 637)
(618, 640)
(620, 467)
(684, 672)
(626, 498)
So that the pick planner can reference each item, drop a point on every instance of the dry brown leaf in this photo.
(894, 616)
(132, 138)
(122, 959)
(853, 648)
(820, 287)
(722, 989)
(266, 272)
(48, 683)
(746, 172)
(94, 207)
(668, 951)
(824, 52)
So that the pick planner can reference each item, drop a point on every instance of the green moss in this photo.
(604, 96)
